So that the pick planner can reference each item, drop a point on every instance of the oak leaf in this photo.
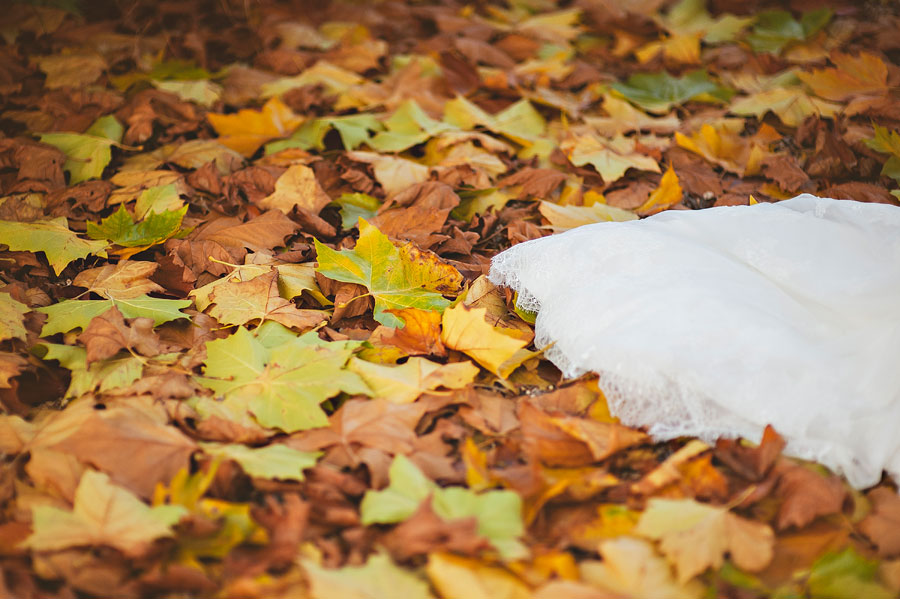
(696, 536)
(395, 277)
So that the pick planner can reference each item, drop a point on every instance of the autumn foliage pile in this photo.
(247, 347)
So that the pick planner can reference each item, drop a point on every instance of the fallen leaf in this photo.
(852, 75)
(258, 300)
(611, 159)
(406, 382)
(121, 229)
(108, 333)
(248, 129)
(420, 334)
(791, 105)
(66, 315)
(498, 349)
(297, 187)
(659, 92)
(663, 197)
(457, 577)
(126, 279)
(806, 495)
(396, 278)
(103, 514)
(53, 237)
(379, 578)
(563, 218)
(696, 536)
(882, 525)
(274, 461)
(71, 70)
(12, 314)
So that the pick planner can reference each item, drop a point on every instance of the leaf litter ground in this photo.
(247, 348)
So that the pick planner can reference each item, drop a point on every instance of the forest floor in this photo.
(247, 344)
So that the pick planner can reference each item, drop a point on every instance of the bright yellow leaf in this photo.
(406, 382)
(611, 158)
(246, 130)
(297, 186)
(457, 577)
(792, 105)
(852, 75)
(499, 350)
(666, 195)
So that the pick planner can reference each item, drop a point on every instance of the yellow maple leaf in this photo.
(246, 130)
(723, 144)
(499, 350)
(857, 75)
(462, 578)
(792, 105)
(404, 383)
(678, 49)
(695, 536)
(667, 194)
(611, 158)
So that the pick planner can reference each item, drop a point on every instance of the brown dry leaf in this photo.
(71, 70)
(752, 463)
(806, 495)
(124, 280)
(425, 533)
(696, 536)
(260, 233)
(499, 350)
(297, 187)
(882, 525)
(257, 300)
(417, 214)
(108, 333)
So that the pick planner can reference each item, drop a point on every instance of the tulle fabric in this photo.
(714, 323)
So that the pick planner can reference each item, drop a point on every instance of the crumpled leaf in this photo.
(406, 382)
(792, 105)
(60, 244)
(259, 299)
(248, 129)
(281, 386)
(696, 536)
(12, 314)
(276, 461)
(611, 158)
(103, 514)
(66, 315)
(396, 278)
(500, 350)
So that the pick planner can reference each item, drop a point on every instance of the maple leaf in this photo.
(66, 315)
(498, 513)
(355, 206)
(53, 237)
(248, 129)
(258, 300)
(775, 29)
(723, 144)
(631, 569)
(353, 129)
(10, 365)
(792, 105)
(500, 350)
(623, 118)
(421, 333)
(406, 127)
(106, 334)
(292, 280)
(274, 461)
(158, 199)
(156, 228)
(126, 279)
(852, 75)
(104, 375)
(846, 575)
(887, 142)
(457, 577)
(396, 278)
(297, 187)
(281, 386)
(379, 578)
(696, 536)
(659, 92)
(12, 314)
(406, 382)
(87, 154)
(519, 122)
(611, 159)
(103, 514)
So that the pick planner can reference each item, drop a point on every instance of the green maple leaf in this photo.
(121, 229)
(407, 127)
(354, 130)
(355, 206)
(102, 375)
(12, 313)
(275, 461)
(498, 513)
(67, 315)
(53, 237)
(89, 153)
(775, 29)
(396, 277)
(659, 92)
(282, 386)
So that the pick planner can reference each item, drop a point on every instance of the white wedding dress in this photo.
(717, 322)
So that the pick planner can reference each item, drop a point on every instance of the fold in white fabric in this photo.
(714, 323)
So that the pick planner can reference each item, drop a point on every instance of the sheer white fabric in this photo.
(717, 322)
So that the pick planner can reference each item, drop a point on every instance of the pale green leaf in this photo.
(53, 237)
(121, 229)
(380, 578)
(86, 155)
(158, 200)
(355, 206)
(399, 500)
(67, 315)
(275, 461)
(846, 575)
(12, 313)
(659, 92)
